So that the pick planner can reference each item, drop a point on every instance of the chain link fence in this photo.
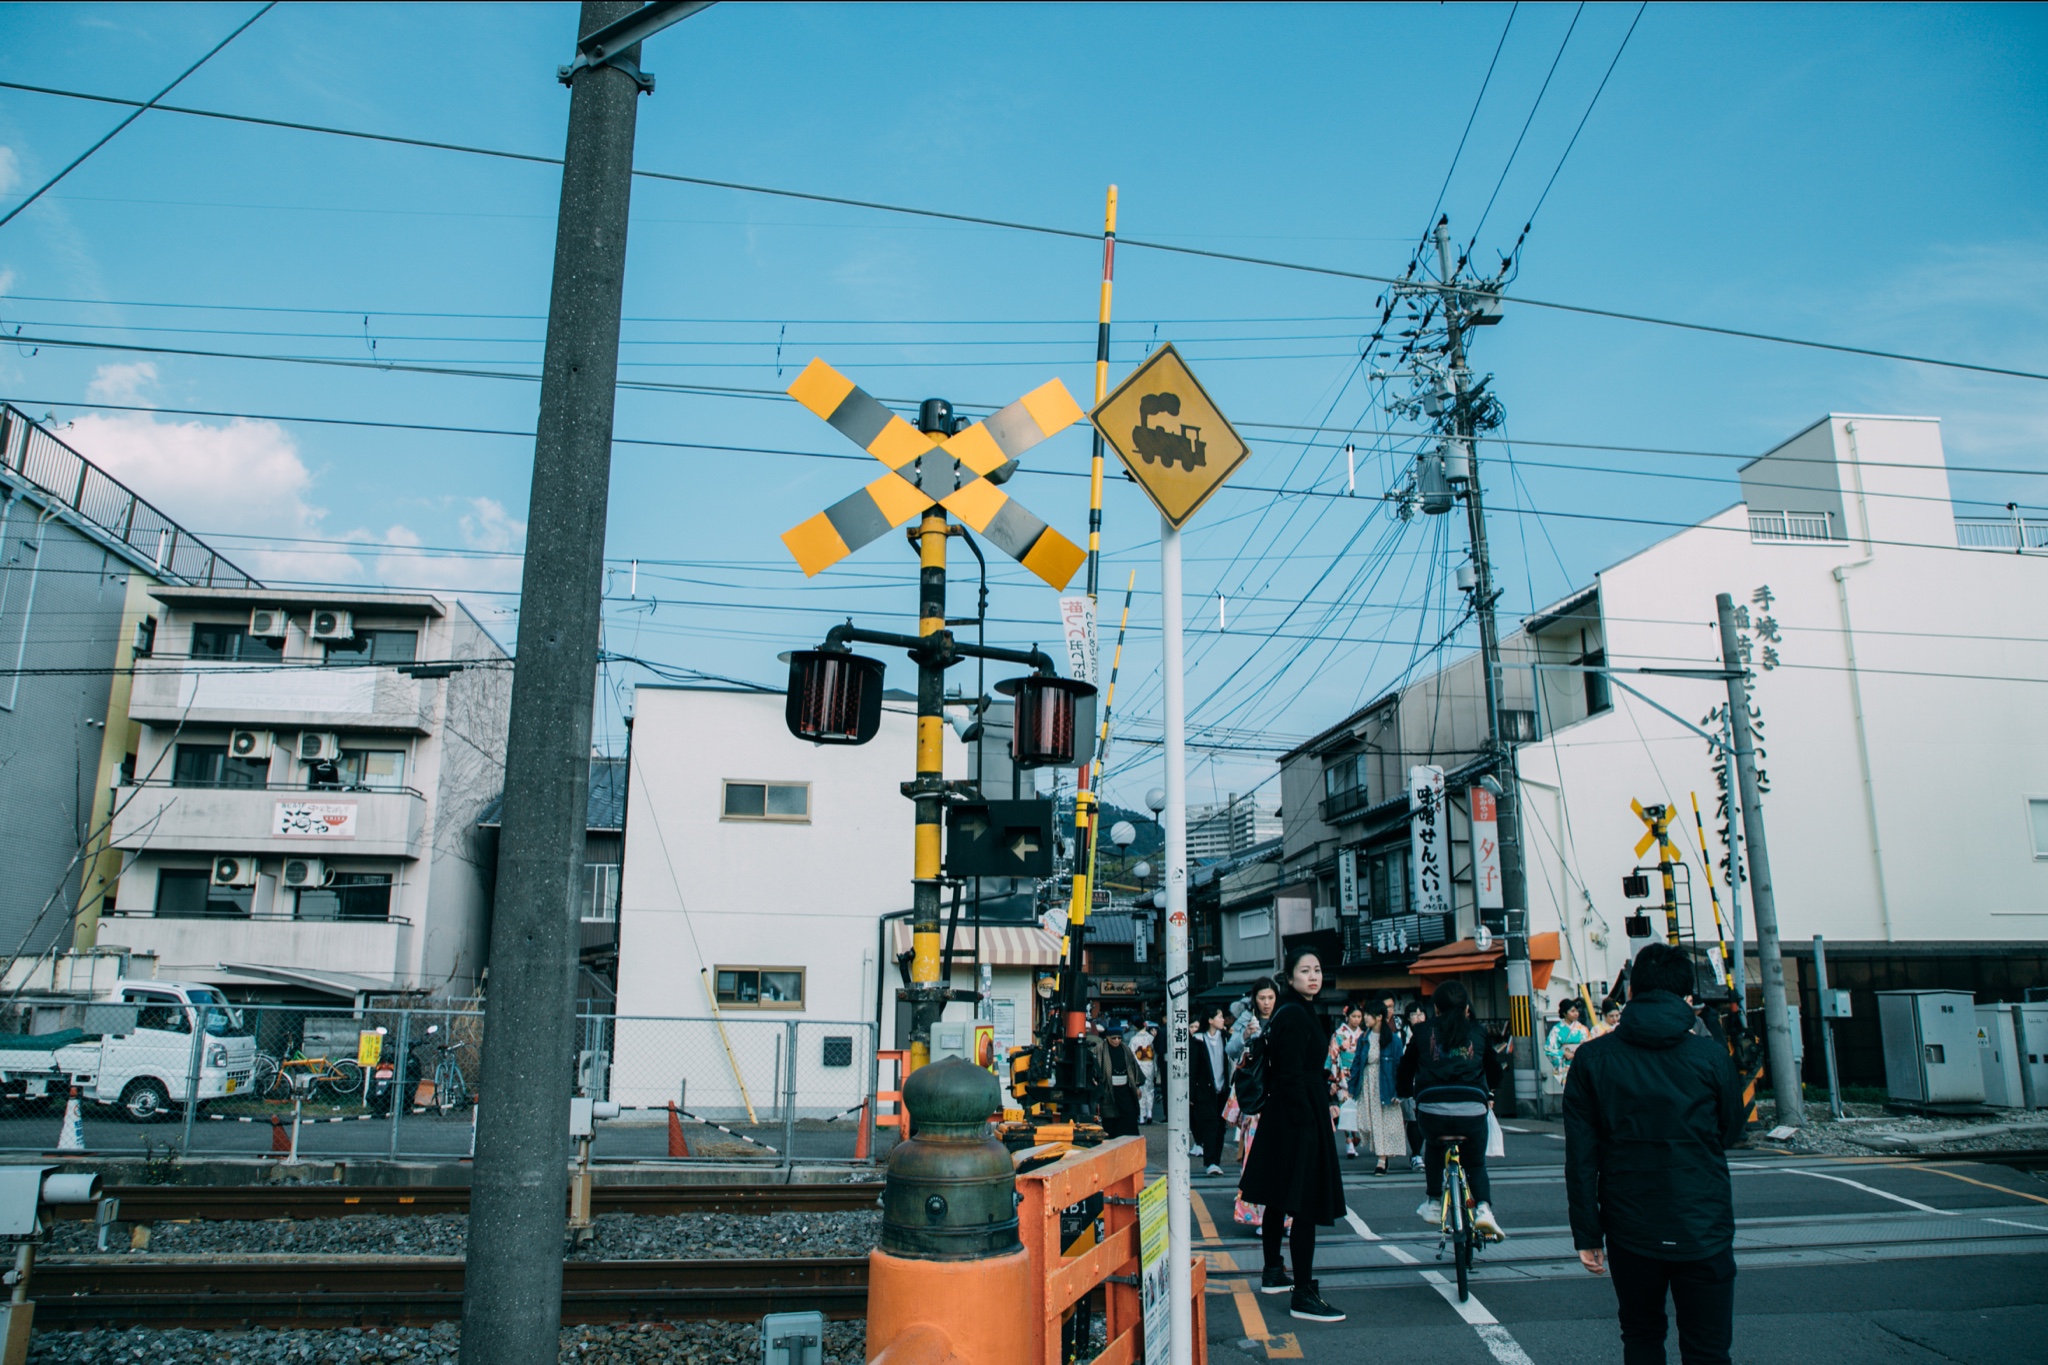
(328, 1083)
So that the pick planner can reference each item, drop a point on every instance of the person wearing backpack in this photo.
(1451, 1070)
(1293, 1170)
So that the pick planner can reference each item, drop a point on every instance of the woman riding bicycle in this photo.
(1451, 1070)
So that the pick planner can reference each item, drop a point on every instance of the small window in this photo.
(161, 1013)
(1519, 727)
(375, 646)
(787, 801)
(208, 765)
(233, 642)
(761, 988)
(2037, 815)
(599, 901)
(1254, 923)
(189, 893)
(374, 769)
(351, 895)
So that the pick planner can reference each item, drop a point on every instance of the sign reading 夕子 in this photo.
(1170, 435)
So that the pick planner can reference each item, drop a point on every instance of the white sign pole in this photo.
(1180, 1246)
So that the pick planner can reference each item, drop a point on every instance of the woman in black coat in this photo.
(1293, 1168)
(1208, 1086)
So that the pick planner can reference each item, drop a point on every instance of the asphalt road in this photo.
(1840, 1260)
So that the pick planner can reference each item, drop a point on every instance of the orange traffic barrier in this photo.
(864, 1137)
(280, 1136)
(894, 1118)
(1115, 1170)
(678, 1145)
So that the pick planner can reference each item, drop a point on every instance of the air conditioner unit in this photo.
(319, 746)
(269, 622)
(234, 872)
(249, 744)
(333, 625)
(301, 873)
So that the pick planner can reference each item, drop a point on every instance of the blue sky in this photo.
(1862, 174)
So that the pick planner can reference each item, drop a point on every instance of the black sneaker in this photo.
(1310, 1305)
(1276, 1280)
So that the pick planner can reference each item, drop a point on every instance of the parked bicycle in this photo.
(449, 1090)
(301, 1077)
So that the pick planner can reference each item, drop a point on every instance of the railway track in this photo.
(287, 1291)
(233, 1203)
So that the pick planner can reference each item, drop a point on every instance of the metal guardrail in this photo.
(110, 507)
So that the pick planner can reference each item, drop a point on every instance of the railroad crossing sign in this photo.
(1170, 435)
(953, 471)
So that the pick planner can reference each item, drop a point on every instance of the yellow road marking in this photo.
(1971, 1180)
(1283, 1347)
(1221, 1260)
(1202, 1218)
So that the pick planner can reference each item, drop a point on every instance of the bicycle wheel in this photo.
(1460, 1222)
(449, 1090)
(345, 1080)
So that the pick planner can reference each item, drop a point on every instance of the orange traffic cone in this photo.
(864, 1139)
(677, 1144)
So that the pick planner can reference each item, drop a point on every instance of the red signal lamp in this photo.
(834, 697)
(1042, 730)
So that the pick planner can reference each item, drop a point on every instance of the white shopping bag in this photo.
(1496, 1140)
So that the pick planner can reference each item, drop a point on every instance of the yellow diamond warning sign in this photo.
(1170, 435)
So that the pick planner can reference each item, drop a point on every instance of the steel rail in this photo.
(243, 1203)
(316, 1291)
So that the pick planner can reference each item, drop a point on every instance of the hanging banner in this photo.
(1347, 881)
(1077, 624)
(1428, 829)
(1154, 1292)
(1485, 849)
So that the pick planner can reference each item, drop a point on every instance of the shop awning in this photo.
(1007, 945)
(1456, 959)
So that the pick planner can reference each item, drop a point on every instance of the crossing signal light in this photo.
(1042, 732)
(834, 697)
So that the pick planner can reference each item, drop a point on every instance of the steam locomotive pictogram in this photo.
(1160, 446)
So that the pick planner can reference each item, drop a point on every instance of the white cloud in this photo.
(122, 383)
(10, 169)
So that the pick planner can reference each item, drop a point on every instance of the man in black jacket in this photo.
(1649, 1111)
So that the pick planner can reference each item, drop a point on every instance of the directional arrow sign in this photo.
(1024, 846)
(1170, 435)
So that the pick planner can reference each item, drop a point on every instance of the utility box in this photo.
(1930, 1047)
(2030, 1022)
(793, 1339)
(1998, 1056)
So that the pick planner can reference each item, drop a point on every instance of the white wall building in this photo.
(301, 816)
(758, 872)
(1229, 828)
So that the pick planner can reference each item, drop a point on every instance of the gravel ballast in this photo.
(1870, 1129)
(618, 1236)
(660, 1343)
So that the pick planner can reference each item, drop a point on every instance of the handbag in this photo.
(1496, 1141)
(1249, 1082)
(1347, 1116)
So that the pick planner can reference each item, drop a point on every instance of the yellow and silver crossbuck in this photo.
(952, 471)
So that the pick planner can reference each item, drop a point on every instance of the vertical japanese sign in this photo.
(1154, 1291)
(1077, 624)
(1485, 850)
(1347, 882)
(1427, 842)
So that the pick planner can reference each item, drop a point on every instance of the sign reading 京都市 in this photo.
(314, 820)
(1428, 838)
(1170, 435)
(1485, 849)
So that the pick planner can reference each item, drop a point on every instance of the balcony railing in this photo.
(110, 506)
(267, 916)
(287, 695)
(1802, 527)
(1346, 803)
(277, 819)
(2009, 534)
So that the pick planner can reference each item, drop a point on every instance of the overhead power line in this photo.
(1040, 229)
(140, 109)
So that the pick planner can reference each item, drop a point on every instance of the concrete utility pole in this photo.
(1508, 806)
(1785, 1082)
(1173, 688)
(512, 1299)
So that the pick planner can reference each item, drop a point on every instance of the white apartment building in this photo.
(760, 872)
(1228, 828)
(1900, 668)
(299, 815)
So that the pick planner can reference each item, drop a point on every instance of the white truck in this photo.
(137, 1051)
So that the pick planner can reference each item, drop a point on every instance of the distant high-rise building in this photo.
(1223, 831)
